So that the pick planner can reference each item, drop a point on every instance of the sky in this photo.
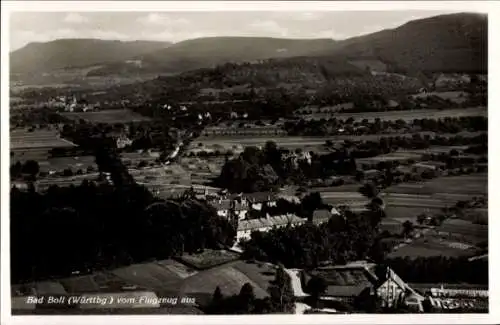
(26, 27)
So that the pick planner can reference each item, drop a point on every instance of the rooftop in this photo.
(257, 196)
(254, 224)
(321, 215)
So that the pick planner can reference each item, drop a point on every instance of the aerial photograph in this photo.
(248, 162)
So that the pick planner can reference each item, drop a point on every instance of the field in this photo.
(435, 150)
(407, 200)
(404, 115)
(176, 178)
(35, 145)
(150, 275)
(73, 163)
(433, 247)
(107, 116)
(230, 278)
(455, 96)
(209, 258)
(471, 185)
(400, 156)
(352, 199)
(317, 144)
(22, 139)
(170, 277)
(166, 278)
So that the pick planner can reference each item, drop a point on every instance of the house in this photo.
(246, 227)
(122, 142)
(453, 293)
(348, 285)
(422, 167)
(289, 198)
(322, 216)
(19, 185)
(224, 206)
(257, 199)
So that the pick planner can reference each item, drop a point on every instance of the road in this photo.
(300, 307)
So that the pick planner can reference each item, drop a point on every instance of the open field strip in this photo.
(235, 143)
(107, 116)
(22, 139)
(431, 247)
(404, 115)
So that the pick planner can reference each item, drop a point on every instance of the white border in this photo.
(72, 6)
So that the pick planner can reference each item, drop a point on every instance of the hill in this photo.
(445, 43)
(211, 51)
(206, 52)
(73, 53)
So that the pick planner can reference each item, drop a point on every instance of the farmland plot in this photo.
(455, 96)
(107, 116)
(404, 115)
(22, 139)
(230, 278)
(451, 186)
(431, 247)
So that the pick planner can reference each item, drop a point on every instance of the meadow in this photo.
(404, 115)
(107, 116)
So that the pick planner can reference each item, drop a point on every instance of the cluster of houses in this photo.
(73, 105)
(253, 130)
(245, 212)
(347, 286)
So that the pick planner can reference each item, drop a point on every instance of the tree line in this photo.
(334, 126)
(95, 226)
(345, 237)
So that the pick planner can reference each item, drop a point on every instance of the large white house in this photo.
(246, 227)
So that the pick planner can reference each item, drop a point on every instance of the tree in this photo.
(247, 298)
(421, 218)
(16, 169)
(31, 168)
(312, 202)
(407, 228)
(67, 172)
(217, 296)
(376, 204)
(369, 190)
(427, 305)
(316, 286)
(281, 292)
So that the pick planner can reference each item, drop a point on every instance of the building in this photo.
(122, 142)
(246, 227)
(423, 167)
(322, 215)
(256, 200)
(224, 206)
(455, 293)
(351, 284)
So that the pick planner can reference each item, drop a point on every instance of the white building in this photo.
(246, 227)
